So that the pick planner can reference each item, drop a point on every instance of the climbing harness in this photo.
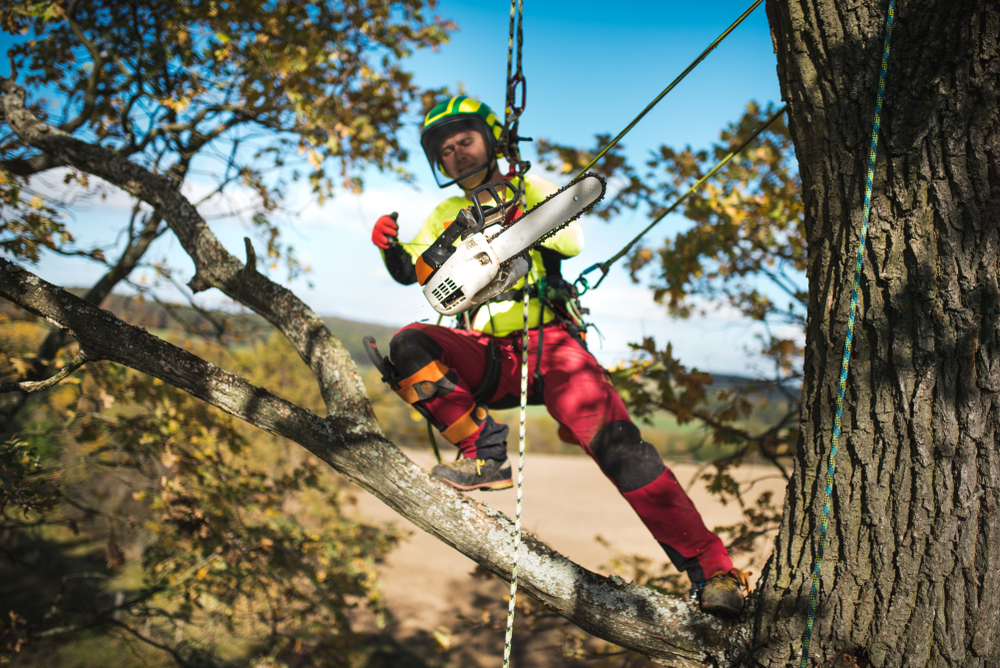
(581, 282)
(680, 77)
(835, 441)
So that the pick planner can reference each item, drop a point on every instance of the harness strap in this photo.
(537, 376)
(554, 283)
(491, 377)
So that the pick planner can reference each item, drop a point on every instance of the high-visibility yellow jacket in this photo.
(505, 317)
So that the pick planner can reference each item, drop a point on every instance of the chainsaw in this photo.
(485, 250)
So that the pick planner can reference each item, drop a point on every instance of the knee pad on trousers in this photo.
(491, 436)
(416, 360)
(411, 350)
(629, 461)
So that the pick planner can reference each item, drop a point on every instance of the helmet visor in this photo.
(432, 139)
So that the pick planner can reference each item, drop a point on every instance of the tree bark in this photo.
(911, 574)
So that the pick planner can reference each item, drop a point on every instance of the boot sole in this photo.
(724, 611)
(485, 487)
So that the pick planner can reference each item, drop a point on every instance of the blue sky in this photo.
(590, 68)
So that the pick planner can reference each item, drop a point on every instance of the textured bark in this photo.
(911, 574)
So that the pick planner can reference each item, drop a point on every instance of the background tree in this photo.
(910, 576)
(245, 98)
(201, 525)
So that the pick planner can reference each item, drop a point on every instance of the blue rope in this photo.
(847, 344)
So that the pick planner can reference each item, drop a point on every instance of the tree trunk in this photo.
(911, 574)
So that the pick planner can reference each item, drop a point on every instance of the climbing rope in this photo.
(835, 441)
(666, 90)
(581, 282)
(520, 478)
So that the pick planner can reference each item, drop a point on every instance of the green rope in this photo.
(831, 465)
(581, 281)
(434, 445)
(666, 90)
(520, 482)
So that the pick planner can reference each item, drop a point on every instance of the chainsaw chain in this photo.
(554, 231)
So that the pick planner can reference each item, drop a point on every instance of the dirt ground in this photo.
(439, 607)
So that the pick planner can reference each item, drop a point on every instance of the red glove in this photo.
(386, 231)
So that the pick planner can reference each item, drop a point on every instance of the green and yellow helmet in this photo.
(458, 114)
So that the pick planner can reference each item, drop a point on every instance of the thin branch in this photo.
(29, 386)
(90, 96)
(777, 280)
(149, 641)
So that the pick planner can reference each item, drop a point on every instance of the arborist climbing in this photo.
(474, 257)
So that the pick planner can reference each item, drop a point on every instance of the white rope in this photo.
(520, 479)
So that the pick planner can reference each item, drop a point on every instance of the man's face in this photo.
(461, 152)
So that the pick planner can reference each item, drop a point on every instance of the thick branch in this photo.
(30, 166)
(670, 630)
(214, 266)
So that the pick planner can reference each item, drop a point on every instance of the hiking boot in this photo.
(467, 474)
(722, 595)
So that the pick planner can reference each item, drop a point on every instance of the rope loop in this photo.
(582, 284)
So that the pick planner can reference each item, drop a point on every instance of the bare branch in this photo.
(251, 256)
(214, 265)
(29, 386)
(90, 96)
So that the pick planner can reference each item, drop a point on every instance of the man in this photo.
(455, 375)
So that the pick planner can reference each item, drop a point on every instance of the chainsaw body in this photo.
(491, 253)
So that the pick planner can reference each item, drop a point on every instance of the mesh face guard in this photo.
(456, 115)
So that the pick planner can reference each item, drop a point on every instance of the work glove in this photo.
(386, 231)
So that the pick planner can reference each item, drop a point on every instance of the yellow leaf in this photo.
(202, 573)
(314, 159)
(443, 638)
(36, 202)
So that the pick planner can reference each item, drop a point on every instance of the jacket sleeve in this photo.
(400, 264)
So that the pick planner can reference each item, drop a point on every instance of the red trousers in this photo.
(440, 367)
